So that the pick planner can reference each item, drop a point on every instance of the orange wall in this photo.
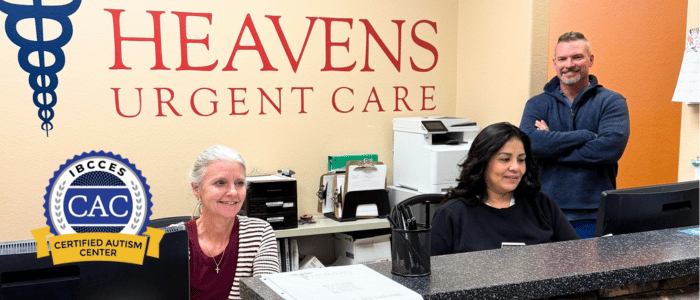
(638, 48)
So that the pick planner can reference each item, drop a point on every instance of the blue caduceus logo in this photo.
(48, 58)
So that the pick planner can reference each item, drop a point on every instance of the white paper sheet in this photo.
(339, 183)
(688, 85)
(355, 282)
(360, 180)
(328, 186)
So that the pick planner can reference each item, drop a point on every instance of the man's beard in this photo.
(573, 80)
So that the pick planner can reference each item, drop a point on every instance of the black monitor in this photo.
(24, 276)
(648, 208)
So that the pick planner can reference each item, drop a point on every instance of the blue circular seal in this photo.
(97, 192)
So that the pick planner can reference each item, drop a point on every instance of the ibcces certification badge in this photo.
(97, 205)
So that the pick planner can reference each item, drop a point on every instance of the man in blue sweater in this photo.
(579, 130)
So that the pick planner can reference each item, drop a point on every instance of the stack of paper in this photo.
(337, 283)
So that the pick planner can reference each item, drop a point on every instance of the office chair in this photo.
(165, 222)
(418, 210)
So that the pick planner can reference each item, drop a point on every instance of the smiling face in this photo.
(505, 170)
(572, 61)
(222, 190)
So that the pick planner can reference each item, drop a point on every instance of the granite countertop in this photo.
(545, 270)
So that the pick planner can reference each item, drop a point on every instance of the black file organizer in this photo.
(272, 201)
(353, 199)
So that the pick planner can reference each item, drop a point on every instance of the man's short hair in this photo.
(572, 36)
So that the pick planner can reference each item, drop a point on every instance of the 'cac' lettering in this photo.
(97, 205)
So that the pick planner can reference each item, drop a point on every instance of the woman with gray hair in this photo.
(225, 247)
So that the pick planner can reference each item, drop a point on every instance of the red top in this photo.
(205, 283)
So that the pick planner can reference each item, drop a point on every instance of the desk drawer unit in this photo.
(274, 201)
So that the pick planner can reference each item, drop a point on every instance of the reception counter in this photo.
(547, 270)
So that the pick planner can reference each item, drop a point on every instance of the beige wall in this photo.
(164, 148)
(503, 58)
(493, 55)
(690, 140)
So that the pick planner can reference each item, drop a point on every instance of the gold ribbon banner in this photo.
(98, 246)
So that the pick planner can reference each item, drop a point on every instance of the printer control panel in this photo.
(434, 126)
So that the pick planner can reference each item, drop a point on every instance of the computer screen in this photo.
(24, 276)
(648, 208)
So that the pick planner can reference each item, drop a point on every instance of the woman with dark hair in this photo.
(498, 199)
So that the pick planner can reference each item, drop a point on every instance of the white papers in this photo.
(688, 85)
(273, 177)
(328, 186)
(367, 210)
(354, 282)
(338, 206)
(361, 180)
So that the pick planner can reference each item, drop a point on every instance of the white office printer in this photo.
(427, 151)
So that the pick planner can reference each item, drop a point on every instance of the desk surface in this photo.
(325, 225)
(545, 270)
